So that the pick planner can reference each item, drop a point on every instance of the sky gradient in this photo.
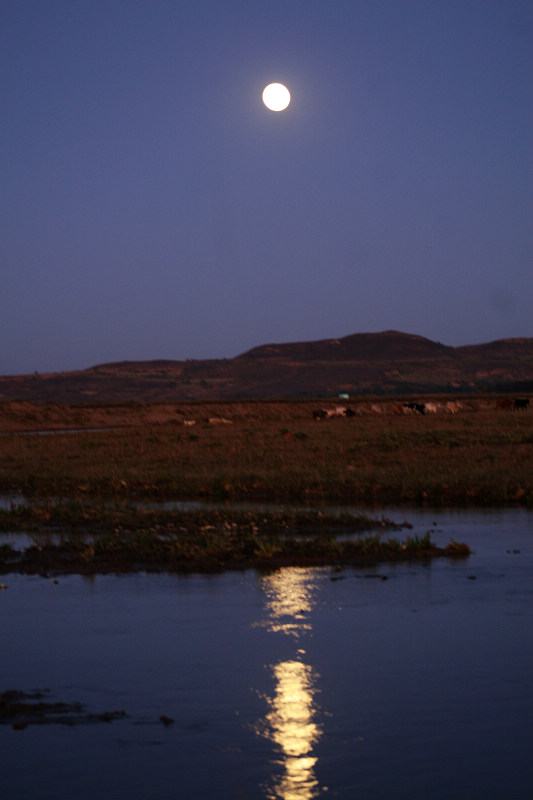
(152, 207)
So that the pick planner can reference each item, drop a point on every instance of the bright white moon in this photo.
(276, 96)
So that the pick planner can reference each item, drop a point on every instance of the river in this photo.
(401, 681)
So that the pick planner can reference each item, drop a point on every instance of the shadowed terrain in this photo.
(367, 363)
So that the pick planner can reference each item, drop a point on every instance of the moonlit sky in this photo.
(152, 207)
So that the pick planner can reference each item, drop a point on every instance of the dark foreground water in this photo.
(302, 684)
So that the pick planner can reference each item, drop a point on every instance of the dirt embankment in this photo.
(19, 416)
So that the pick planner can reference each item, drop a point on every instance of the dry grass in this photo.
(276, 451)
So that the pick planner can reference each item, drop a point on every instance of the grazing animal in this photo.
(521, 403)
(326, 413)
(451, 407)
(415, 408)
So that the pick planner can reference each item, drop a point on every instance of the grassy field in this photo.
(276, 451)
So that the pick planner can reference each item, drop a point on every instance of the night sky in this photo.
(152, 207)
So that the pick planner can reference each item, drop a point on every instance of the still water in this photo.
(403, 681)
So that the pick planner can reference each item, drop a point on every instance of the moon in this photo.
(276, 96)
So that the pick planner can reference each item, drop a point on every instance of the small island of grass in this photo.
(73, 537)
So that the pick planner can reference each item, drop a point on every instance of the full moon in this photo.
(276, 96)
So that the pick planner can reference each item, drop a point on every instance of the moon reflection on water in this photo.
(291, 721)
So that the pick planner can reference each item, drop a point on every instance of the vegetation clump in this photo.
(21, 709)
(116, 539)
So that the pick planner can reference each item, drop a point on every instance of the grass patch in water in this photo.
(89, 539)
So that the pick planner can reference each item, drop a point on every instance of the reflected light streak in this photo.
(291, 719)
(289, 594)
(291, 725)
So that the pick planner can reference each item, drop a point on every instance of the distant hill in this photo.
(357, 347)
(390, 362)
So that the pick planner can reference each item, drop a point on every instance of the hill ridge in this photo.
(353, 345)
(387, 362)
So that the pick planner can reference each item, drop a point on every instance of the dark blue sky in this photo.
(152, 207)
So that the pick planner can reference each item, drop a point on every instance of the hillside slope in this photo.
(390, 362)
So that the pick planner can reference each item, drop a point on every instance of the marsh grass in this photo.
(78, 517)
(481, 458)
(99, 539)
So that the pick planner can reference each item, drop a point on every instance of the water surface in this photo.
(401, 681)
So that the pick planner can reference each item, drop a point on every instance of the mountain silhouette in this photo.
(390, 362)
